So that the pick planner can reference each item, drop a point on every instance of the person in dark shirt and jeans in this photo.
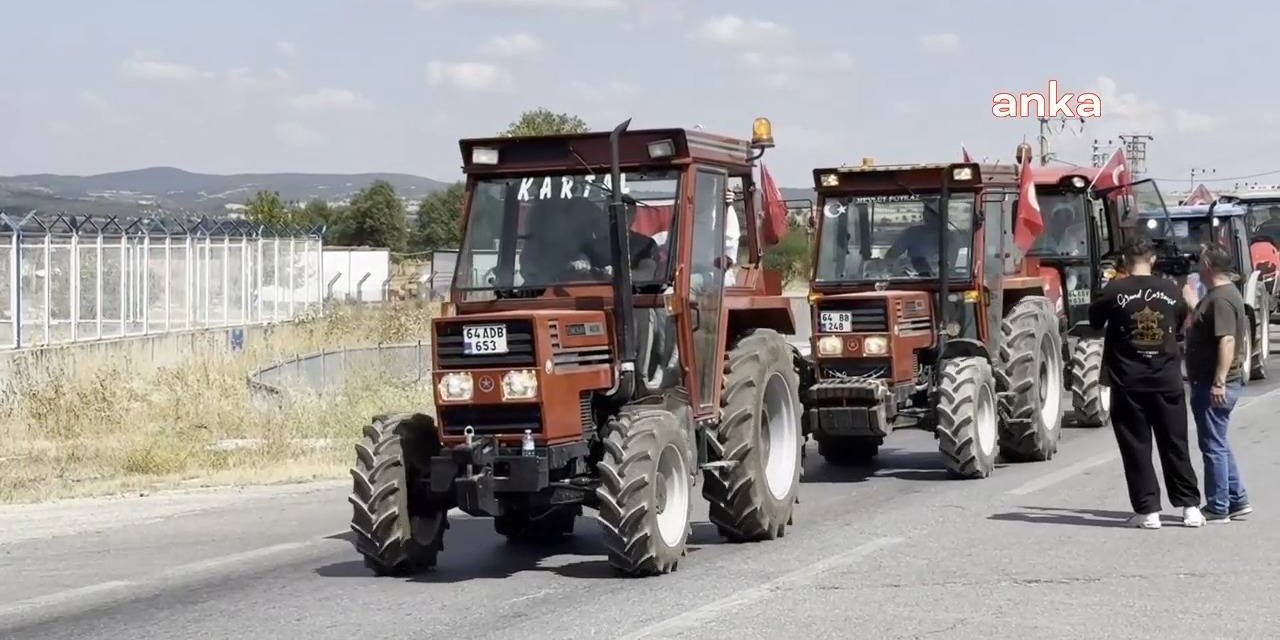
(1142, 365)
(1215, 352)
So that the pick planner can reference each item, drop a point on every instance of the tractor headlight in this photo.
(519, 385)
(455, 387)
(830, 346)
(875, 345)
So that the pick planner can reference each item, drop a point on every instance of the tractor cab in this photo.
(1075, 236)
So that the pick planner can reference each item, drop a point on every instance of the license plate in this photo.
(835, 321)
(484, 339)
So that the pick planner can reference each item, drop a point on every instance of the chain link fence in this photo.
(321, 371)
(66, 278)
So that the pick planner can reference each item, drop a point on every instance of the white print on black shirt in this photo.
(1146, 295)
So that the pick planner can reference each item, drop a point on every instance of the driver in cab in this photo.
(919, 244)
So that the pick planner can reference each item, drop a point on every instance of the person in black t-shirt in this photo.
(1142, 365)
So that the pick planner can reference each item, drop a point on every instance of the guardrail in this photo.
(323, 370)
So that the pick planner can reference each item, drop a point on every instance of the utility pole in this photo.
(1102, 152)
(1045, 132)
(1135, 148)
(1202, 172)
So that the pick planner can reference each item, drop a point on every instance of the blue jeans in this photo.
(1223, 487)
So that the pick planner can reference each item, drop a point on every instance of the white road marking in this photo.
(681, 624)
(1065, 473)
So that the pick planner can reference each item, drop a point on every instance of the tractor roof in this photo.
(1186, 212)
(1057, 173)
(1255, 195)
(891, 177)
(571, 151)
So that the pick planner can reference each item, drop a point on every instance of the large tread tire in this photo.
(848, 451)
(744, 505)
(398, 533)
(548, 528)
(1030, 358)
(631, 494)
(1260, 343)
(967, 418)
(1090, 399)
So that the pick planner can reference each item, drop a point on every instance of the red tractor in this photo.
(924, 316)
(603, 352)
(1068, 256)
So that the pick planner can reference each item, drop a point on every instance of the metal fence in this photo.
(66, 278)
(408, 363)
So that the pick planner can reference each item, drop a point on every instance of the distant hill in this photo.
(170, 190)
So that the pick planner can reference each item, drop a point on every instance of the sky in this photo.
(391, 85)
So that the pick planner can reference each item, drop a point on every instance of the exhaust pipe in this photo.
(620, 248)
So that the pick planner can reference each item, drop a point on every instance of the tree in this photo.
(266, 207)
(542, 121)
(317, 213)
(376, 218)
(440, 220)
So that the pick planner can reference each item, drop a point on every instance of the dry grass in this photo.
(77, 424)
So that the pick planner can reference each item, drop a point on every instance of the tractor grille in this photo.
(570, 359)
(869, 316)
(519, 344)
(861, 368)
(492, 419)
(585, 414)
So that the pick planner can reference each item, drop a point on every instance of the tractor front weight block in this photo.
(478, 474)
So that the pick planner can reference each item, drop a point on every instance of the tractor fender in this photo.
(778, 318)
(965, 348)
(1250, 291)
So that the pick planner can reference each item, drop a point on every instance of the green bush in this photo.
(792, 256)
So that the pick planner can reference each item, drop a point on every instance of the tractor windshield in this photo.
(1066, 222)
(1188, 234)
(893, 238)
(535, 232)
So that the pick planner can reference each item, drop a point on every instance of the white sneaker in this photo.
(1191, 517)
(1145, 521)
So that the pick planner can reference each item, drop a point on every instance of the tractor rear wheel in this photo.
(752, 496)
(644, 493)
(1090, 399)
(848, 450)
(967, 424)
(397, 531)
(1031, 369)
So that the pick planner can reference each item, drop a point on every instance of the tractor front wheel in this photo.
(398, 531)
(1090, 399)
(967, 424)
(644, 493)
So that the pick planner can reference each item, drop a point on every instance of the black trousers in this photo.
(1137, 416)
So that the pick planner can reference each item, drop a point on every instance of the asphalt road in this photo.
(895, 550)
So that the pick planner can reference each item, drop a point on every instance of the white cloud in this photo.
(297, 135)
(940, 43)
(287, 49)
(430, 5)
(733, 31)
(146, 67)
(1190, 122)
(782, 69)
(330, 99)
(1126, 106)
(469, 76)
(606, 92)
(244, 79)
(94, 100)
(516, 44)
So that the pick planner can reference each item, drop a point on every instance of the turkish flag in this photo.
(1029, 224)
(1115, 173)
(774, 225)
